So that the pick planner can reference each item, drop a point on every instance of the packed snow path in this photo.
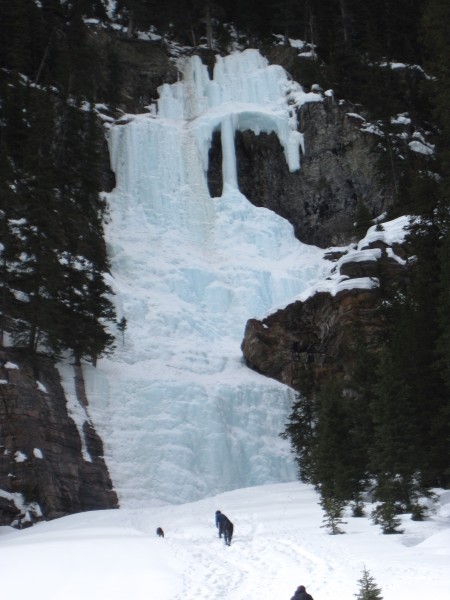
(180, 414)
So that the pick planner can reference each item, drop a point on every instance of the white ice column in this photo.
(229, 170)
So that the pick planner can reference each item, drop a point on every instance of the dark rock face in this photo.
(146, 67)
(139, 68)
(312, 334)
(46, 469)
(310, 342)
(315, 339)
(338, 169)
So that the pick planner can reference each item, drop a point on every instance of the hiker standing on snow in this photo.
(225, 527)
(220, 520)
(301, 594)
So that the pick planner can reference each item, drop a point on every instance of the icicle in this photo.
(229, 170)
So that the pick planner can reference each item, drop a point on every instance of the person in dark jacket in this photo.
(301, 594)
(225, 527)
(220, 520)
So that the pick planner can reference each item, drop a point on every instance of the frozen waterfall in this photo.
(181, 416)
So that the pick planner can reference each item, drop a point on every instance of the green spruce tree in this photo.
(386, 515)
(368, 589)
(333, 511)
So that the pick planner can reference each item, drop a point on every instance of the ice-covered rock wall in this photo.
(180, 415)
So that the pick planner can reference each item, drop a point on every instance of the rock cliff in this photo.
(49, 465)
(316, 340)
(338, 171)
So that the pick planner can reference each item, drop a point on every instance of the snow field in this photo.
(278, 545)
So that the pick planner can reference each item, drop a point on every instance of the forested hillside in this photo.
(387, 426)
(54, 295)
(62, 63)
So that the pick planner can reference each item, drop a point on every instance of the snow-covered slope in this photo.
(278, 545)
(180, 415)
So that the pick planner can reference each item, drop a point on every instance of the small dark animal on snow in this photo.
(160, 532)
(228, 532)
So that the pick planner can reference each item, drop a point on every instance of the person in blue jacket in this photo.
(225, 527)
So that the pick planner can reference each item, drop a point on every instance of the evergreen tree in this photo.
(386, 515)
(333, 509)
(19, 29)
(53, 259)
(300, 430)
(87, 310)
(368, 590)
(437, 43)
(363, 219)
(396, 455)
(114, 75)
(254, 17)
(444, 306)
(121, 326)
(10, 247)
(335, 469)
(420, 323)
(331, 431)
(287, 18)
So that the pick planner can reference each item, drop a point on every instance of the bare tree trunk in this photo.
(345, 24)
(209, 28)
(130, 28)
(193, 36)
(44, 58)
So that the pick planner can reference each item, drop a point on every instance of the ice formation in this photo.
(181, 416)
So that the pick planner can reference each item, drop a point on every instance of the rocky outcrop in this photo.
(145, 67)
(338, 170)
(316, 340)
(312, 334)
(134, 69)
(50, 465)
